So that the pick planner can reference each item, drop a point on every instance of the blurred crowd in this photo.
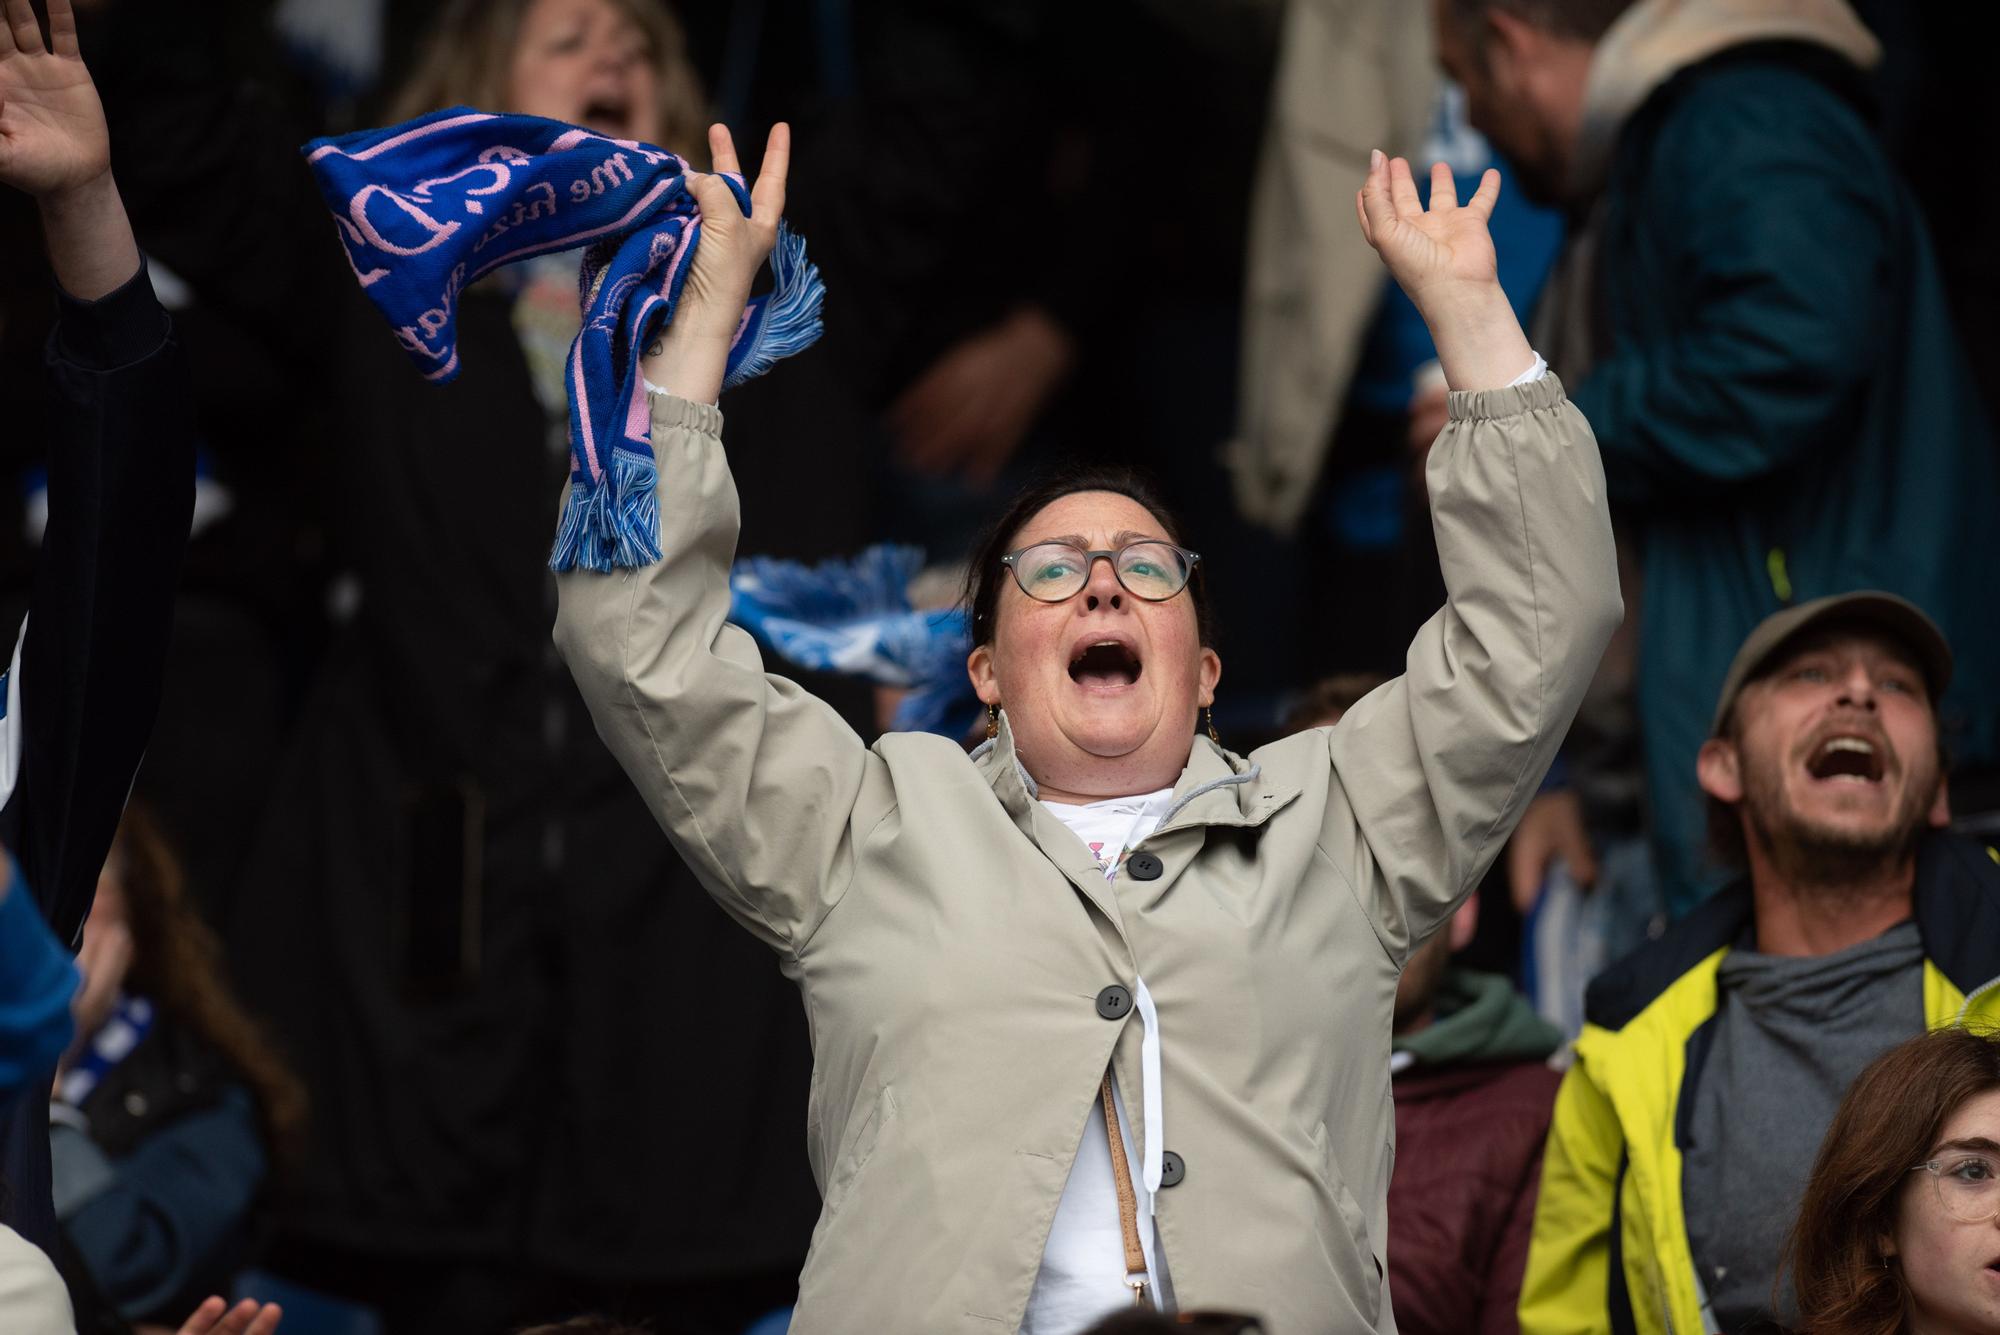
(397, 1007)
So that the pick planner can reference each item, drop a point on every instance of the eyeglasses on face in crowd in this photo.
(1050, 572)
(1967, 1183)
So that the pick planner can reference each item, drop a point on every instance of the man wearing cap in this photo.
(1711, 1060)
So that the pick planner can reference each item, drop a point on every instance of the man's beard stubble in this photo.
(1809, 853)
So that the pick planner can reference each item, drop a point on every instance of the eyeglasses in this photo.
(1050, 572)
(1967, 1183)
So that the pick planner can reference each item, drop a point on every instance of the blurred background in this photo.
(520, 1066)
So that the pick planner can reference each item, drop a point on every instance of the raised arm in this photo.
(121, 481)
(1437, 766)
(761, 787)
(54, 146)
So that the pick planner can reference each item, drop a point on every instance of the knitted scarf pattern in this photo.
(853, 616)
(426, 208)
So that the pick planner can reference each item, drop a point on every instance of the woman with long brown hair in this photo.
(170, 1110)
(1899, 1229)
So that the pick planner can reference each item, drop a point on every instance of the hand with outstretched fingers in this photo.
(52, 132)
(249, 1317)
(692, 354)
(1427, 250)
(1443, 258)
(54, 146)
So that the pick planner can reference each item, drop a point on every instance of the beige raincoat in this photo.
(951, 938)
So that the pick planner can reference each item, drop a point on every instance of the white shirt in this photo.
(1082, 1278)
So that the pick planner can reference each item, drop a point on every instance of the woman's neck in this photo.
(1048, 794)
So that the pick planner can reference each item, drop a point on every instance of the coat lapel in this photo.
(1216, 788)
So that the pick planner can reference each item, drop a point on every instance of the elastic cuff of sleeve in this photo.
(117, 329)
(673, 410)
(1487, 404)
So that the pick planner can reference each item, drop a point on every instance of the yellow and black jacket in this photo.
(1610, 1248)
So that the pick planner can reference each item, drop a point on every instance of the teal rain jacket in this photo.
(1781, 401)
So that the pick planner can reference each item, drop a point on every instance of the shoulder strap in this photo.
(1128, 1200)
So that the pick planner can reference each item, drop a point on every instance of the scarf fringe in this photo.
(790, 319)
(611, 523)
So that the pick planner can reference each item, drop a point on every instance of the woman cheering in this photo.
(1101, 1011)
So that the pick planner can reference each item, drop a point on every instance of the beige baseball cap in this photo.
(1902, 619)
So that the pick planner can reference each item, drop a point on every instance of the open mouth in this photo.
(608, 115)
(1846, 759)
(1104, 664)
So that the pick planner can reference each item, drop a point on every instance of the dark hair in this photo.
(1886, 1125)
(1330, 697)
(587, 1325)
(178, 962)
(1579, 20)
(985, 576)
(1143, 1321)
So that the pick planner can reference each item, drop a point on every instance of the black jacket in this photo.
(121, 492)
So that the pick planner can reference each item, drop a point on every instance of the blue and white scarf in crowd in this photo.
(854, 617)
(427, 208)
(131, 1019)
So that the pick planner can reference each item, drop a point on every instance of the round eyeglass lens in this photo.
(1051, 571)
(1152, 570)
(1968, 1186)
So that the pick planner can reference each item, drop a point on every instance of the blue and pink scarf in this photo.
(427, 208)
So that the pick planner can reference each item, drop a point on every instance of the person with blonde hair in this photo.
(619, 67)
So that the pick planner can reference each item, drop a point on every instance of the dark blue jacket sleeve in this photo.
(175, 1210)
(121, 494)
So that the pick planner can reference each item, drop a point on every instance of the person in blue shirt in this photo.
(37, 980)
(171, 1111)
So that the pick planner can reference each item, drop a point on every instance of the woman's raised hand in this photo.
(1428, 250)
(54, 145)
(692, 354)
(52, 134)
(1443, 258)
